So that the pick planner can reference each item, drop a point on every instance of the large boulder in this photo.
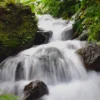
(91, 56)
(35, 90)
(17, 29)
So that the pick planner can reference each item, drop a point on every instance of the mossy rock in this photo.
(17, 29)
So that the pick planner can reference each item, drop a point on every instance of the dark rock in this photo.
(42, 37)
(19, 72)
(35, 90)
(67, 34)
(91, 56)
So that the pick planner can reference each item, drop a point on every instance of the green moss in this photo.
(17, 28)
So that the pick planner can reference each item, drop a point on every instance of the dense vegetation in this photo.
(88, 19)
(58, 8)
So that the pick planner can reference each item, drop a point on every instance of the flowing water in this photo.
(56, 63)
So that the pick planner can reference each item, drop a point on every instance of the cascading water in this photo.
(62, 29)
(55, 63)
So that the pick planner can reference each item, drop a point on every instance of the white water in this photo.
(55, 63)
(59, 27)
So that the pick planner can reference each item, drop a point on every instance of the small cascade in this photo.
(56, 63)
(62, 29)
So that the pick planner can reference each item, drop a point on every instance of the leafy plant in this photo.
(5, 96)
(89, 18)
(58, 8)
(8, 97)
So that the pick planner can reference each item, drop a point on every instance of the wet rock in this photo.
(42, 37)
(35, 90)
(91, 56)
(19, 72)
(67, 35)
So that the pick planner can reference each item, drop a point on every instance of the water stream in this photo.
(56, 63)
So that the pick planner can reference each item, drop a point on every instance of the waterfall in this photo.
(56, 63)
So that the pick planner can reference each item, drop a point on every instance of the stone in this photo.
(42, 37)
(35, 89)
(67, 34)
(19, 75)
(91, 56)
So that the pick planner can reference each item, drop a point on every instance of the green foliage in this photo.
(5, 96)
(49, 6)
(58, 8)
(8, 97)
(88, 18)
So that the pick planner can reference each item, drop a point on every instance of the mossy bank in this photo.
(17, 29)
